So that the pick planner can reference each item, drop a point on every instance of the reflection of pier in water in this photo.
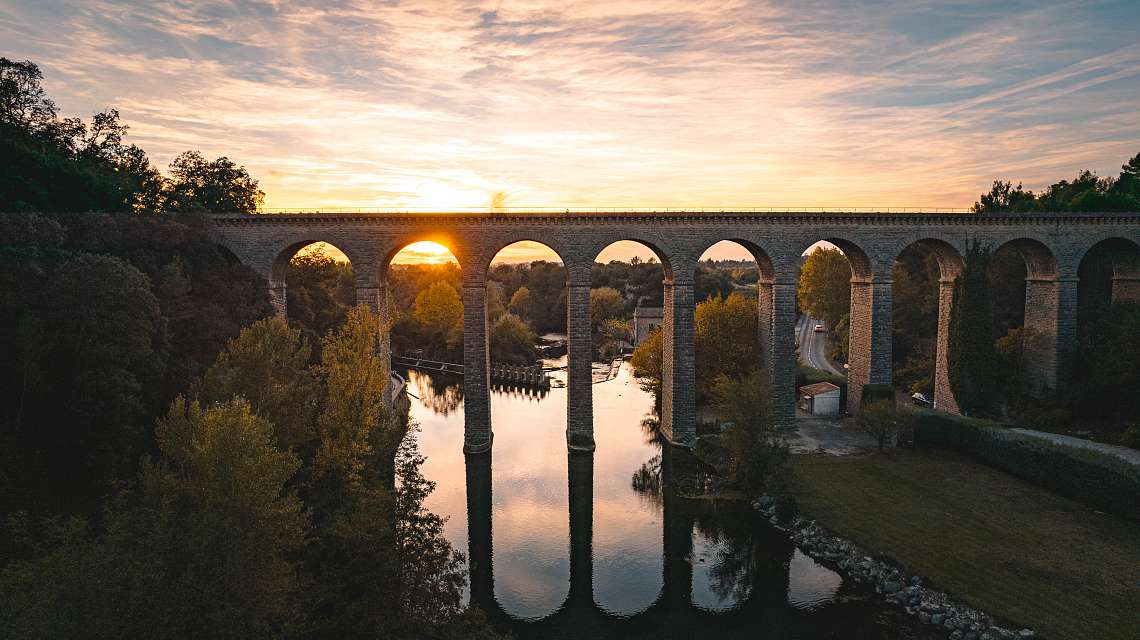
(761, 581)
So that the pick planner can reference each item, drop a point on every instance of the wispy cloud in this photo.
(598, 103)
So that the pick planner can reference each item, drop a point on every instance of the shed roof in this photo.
(817, 389)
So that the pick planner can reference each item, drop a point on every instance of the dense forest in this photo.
(175, 461)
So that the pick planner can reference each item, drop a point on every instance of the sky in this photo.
(813, 103)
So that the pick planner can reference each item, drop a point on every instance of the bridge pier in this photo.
(1126, 285)
(580, 481)
(780, 347)
(479, 544)
(477, 434)
(580, 390)
(869, 348)
(278, 297)
(1051, 321)
(678, 383)
(943, 394)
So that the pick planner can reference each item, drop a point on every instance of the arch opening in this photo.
(828, 269)
(315, 286)
(526, 291)
(1108, 339)
(1022, 276)
(922, 293)
(731, 327)
(421, 297)
(1108, 273)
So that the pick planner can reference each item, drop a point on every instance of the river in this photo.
(574, 545)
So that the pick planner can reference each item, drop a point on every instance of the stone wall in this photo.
(1052, 244)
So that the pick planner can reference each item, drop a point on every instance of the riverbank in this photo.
(1002, 545)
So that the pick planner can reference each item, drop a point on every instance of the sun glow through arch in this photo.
(424, 252)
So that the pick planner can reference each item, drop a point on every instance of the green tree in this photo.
(268, 365)
(512, 341)
(203, 548)
(605, 303)
(440, 311)
(759, 459)
(971, 352)
(321, 291)
(825, 285)
(217, 186)
(647, 362)
(881, 420)
(1004, 197)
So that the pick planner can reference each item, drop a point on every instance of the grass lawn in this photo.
(1007, 547)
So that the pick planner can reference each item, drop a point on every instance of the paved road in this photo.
(813, 346)
(1124, 453)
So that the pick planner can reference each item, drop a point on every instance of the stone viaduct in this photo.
(1052, 245)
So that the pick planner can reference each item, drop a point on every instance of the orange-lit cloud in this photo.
(680, 103)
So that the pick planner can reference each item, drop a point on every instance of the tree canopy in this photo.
(53, 164)
(1086, 192)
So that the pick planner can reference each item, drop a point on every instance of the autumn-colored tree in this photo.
(268, 365)
(647, 362)
(354, 424)
(522, 303)
(726, 338)
(825, 285)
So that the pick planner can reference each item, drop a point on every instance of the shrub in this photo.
(873, 393)
(1105, 482)
(1131, 437)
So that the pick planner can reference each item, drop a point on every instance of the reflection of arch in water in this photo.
(671, 611)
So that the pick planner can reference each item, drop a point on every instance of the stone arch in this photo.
(1048, 313)
(1040, 260)
(442, 237)
(513, 239)
(665, 255)
(1109, 272)
(869, 325)
(862, 267)
(950, 264)
(760, 255)
(280, 266)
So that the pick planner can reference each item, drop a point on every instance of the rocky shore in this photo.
(907, 591)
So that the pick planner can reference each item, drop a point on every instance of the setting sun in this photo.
(424, 252)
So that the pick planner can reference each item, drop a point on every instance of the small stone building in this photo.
(820, 399)
(644, 321)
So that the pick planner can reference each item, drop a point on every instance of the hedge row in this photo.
(1102, 481)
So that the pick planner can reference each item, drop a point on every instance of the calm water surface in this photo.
(599, 546)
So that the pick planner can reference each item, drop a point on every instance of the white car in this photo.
(819, 328)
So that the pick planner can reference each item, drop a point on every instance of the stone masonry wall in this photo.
(872, 241)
